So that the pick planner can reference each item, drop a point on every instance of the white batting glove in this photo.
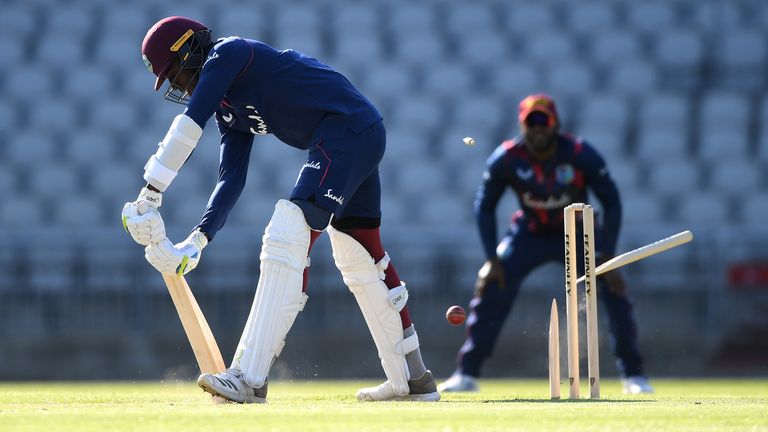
(142, 220)
(178, 259)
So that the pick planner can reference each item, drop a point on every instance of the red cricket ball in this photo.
(456, 315)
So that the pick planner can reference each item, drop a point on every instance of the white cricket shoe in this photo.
(422, 389)
(636, 384)
(230, 385)
(459, 383)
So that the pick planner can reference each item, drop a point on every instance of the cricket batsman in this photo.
(548, 170)
(254, 89)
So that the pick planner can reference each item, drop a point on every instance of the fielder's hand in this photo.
(178, 259)
(142, 220)
(491, 271)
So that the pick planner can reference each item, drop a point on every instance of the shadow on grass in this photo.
(568, 401)
(555, 401)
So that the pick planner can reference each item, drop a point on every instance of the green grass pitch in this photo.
(503, 405)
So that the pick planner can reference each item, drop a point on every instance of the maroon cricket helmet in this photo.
(167, 40)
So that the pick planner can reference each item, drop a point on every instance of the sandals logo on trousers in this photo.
(339, 199)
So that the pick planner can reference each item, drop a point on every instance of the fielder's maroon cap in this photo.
(538, 102)
(162, 43)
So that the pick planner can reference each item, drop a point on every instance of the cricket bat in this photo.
(195, 326)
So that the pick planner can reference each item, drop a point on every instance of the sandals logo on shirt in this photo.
(564, 174)
(258, 125)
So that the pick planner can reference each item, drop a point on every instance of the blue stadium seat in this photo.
(483, 114)
(614, 47)
(238, 21)
(591, 17)
(406, 17)
(610, 142)
(133, 19)
(668, 143)
(482, 47)
(705, 211)
(724, 109)
(406, 144)
(115, 115)
(680, 54)
(604, 111)
(549, 47)
(739, 178)
(9, 118)
(417, 113)
(449, 79)
(718, 16)
(21, 212)
(91, 146)
(570, 79)
(721, 144)
(356, 17)
(30, 147)
(754, 208)
(80, 211)
(7, 179)
(463, 19)
(29, 82)
(446, 211)
(650, 17)
(427, 178)
(525, 16)
(54, 180)
(351, 42)
(515, 79)
(91, 83)
(673, 178)
(419, 47)
(741, 59)
(113, 50)
(74, 23)
(664, 109)
(387, 80)
(641, 210)
(626, 173)
(57, 115)
(633, 78)
(308, 17)
(306, 42)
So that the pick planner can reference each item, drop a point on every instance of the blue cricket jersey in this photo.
(545, 187)
(255, 89)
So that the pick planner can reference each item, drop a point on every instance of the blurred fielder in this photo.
(254, 89)
(548, 170)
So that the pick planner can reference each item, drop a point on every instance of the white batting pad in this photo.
(279, 297)
(379, 308)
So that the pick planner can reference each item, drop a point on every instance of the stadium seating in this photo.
(673, 94)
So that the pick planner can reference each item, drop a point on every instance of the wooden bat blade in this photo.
(643, 252)
(195, 326)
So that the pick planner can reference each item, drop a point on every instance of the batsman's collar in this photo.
(537, 102)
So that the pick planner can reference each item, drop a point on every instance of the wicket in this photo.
(571, 305)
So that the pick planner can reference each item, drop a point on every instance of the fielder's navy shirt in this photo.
(545, 187)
